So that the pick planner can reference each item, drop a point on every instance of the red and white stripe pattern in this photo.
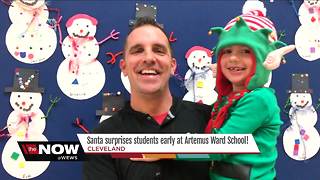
(255, 20)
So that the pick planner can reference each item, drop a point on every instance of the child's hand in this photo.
(274, 58)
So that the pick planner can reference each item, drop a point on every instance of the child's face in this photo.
(236, 65)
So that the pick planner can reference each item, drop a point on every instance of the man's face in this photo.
(148, 62)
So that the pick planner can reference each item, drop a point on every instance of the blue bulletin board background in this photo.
(190, 21)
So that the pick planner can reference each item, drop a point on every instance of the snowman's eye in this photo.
(30, 97)
(87, 26)
(297, 95)
(203, 57)
(194, 56)
(18, 96)
(77, 24)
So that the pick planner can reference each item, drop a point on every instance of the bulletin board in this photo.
(189, 21)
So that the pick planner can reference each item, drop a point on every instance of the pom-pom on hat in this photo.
(254, 14)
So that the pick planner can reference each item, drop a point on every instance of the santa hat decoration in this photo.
(111, 104)
(254, 14)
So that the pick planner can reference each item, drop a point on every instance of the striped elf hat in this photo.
(254, 14)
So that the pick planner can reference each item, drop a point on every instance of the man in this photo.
(148, 63)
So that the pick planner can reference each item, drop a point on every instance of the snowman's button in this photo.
(22, 165)
(296, 141)
(20, 133)
(15, 156)
(302, 131)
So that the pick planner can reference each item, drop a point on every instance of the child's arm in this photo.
(252, 112)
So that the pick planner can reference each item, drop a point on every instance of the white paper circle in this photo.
(17, 166)
(35, 126)
(302, 110)
(305, 148)
(269, 80)
(31, 46)
(125, 82)
(25, 102)
(18, 15)
(308, 15)
(85, 50)
(103, 117)
(88, 83)
(307, 42)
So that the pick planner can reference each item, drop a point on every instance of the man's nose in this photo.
(149, 57)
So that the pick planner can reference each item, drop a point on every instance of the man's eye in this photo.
(136, 51)
(159, 51)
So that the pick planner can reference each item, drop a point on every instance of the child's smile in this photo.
(236, 65)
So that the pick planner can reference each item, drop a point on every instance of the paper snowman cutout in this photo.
(29, 38)
(111, 104)
(301, 139)
(199, 80)
(25, 123)
(307, 40)
(81, 76)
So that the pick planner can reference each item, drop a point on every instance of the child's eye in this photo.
(226, 51)
(246, 51)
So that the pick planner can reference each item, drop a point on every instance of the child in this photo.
(245, 58)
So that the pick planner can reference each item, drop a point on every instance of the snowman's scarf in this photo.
(24, 121)
(316, 8)
(35, 15)
(192, 77)
(295, 109)
(74, 63)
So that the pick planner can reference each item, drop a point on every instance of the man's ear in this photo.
(123, 66)
(173, 66)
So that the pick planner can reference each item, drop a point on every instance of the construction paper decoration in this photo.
(31, 45)
(125, 82)
(30, 39)
(307, 42)
(301, 140)
(15, 164)
(83, 84)
(81, 76)
(112, 103)
(199, 79)
(25, 13)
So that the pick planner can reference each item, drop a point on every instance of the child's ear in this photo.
(123, 67)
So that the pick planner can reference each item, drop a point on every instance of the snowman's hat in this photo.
(145, 11)
(111, 104)
(25, 80)
(300, 84)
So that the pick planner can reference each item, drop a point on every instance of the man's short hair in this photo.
(143, 21)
